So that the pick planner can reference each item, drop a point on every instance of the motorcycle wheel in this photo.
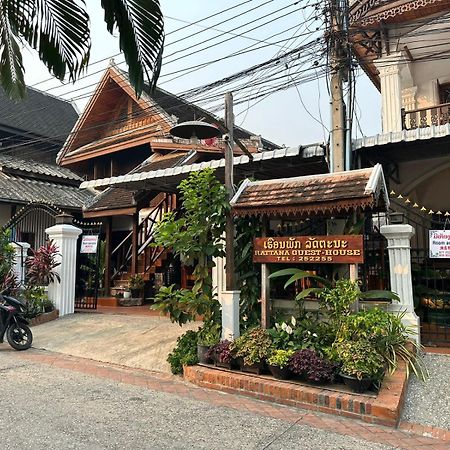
(19, 336)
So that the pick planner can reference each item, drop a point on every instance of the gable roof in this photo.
(38, 113)
(167, 109)
(314, 194)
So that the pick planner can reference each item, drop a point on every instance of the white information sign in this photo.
(89, 244)
(439, 244)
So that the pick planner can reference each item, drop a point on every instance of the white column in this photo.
(63, 294)
(391, 91)
(399, 248)
(229, 301)
(20, 255)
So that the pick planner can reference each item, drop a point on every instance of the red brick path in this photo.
(405, 437)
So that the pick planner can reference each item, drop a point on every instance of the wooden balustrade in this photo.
(426, 117)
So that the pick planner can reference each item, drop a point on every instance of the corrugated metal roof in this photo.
(418, 134)
(325, 193)
(37, 167)
(20, 190)
(305, 152)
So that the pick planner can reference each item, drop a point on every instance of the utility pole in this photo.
(338, 67)
(229, 227)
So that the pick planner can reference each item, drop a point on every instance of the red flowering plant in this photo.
(308, 364)
(41, 265)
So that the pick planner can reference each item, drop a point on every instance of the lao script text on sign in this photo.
(89, 244)
(345, 249)
(439, 244)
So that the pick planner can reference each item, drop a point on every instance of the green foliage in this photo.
(6, 257)
(388, 335)
(184, 353)
(136, 282)
(253, 346)
(59, 32)
(209, 334)
(196, 237)
(280, 358)
(248, 274)
(337, 301)
(181, 305)
(36, 301)
(358, 359)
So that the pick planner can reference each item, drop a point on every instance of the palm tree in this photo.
(59, 31)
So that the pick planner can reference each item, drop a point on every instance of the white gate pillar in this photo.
(62, 294)
(399, 248)
(229, 301)
(20, 255)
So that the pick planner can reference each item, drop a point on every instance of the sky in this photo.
(296, 116)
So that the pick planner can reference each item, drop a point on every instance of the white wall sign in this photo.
(89, 244)
(439, 244)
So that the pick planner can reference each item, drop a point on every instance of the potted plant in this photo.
(252, 348)
(279, 364)
(208, 336)
(136, 285)
(308, 365)
(41, 265)
(360, 364)
(222, 355)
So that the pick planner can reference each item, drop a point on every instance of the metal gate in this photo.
(89, 268)
(430, 276)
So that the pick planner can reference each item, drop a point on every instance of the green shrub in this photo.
(280, 358)
(36, 301)
(359, 359)
(253, 346)
(184, 353)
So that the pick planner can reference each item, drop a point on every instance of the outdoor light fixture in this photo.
(396, 218)
(195, 130)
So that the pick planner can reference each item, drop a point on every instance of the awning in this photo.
(301, 160)
(326, 194)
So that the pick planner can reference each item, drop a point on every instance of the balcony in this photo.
(426, 117)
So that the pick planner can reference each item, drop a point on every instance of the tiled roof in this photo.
(418, 134)
(117, 198)
(179, 171)
(325, 193)
(39, 113)
(36, 167)
(21, 190)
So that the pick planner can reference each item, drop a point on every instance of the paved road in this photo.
(49, 407)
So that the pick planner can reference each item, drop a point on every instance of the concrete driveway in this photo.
(134, 341)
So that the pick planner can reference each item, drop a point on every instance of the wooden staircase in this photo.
(150, 259)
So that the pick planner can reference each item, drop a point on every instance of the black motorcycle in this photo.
(14, 324)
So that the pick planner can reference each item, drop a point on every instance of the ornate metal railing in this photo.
(426, 117)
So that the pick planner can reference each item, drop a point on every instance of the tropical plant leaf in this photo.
(380, 294)
(285, 272)
(11, 65)
(140, 24)
(306, 292)
(58, 30)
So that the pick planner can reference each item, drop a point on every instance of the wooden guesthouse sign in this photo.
(344, 249)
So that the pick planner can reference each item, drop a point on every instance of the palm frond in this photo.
(59, 31)
(141, 28)
(11, 65)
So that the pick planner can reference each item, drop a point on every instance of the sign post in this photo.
(345, 249)
(439, 244)
(89, 244)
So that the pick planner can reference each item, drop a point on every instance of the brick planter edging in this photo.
(385, 409)
(45, 317)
